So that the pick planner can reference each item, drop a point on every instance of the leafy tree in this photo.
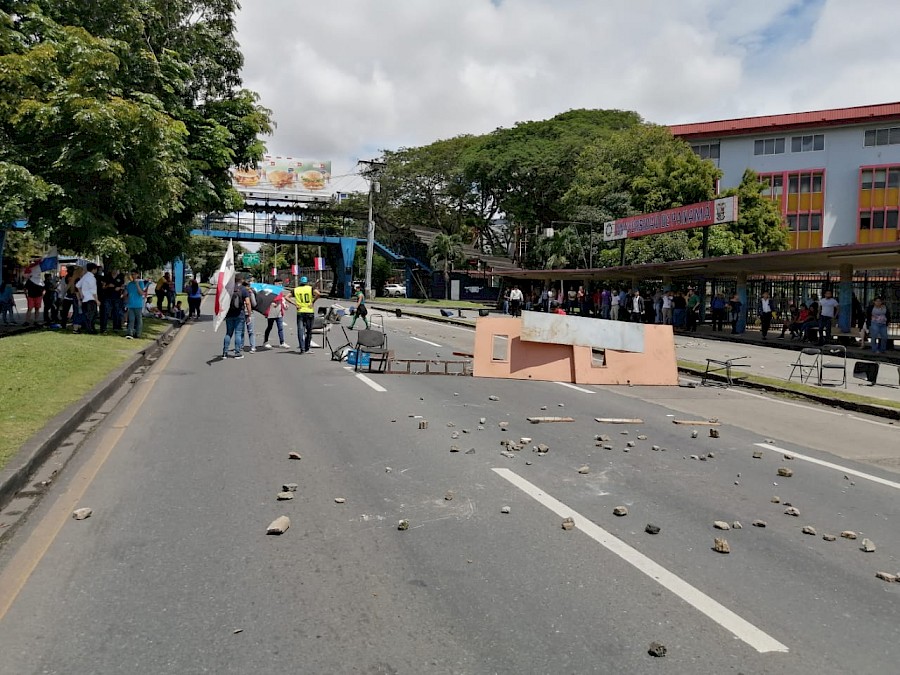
(444, 251)
(120, 119)
(760, 226)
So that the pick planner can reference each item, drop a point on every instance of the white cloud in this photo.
(350, 77)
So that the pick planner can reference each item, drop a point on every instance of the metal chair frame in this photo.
(806, 367)
(833, 358)
(373, 343)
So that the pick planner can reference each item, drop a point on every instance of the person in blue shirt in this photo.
(6, 302)
(135, 297)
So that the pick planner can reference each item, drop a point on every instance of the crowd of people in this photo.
(92, 300)
(812, 320)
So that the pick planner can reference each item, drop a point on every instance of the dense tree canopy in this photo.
(119, 120)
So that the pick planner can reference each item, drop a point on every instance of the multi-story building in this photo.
(835, 173)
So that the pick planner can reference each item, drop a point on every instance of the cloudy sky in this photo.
(347, 78)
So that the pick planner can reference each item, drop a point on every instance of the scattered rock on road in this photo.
(736, 525)
(82, 513)
(279, 525)
(294, 455)
(848, 534)
(289, 487)
(282, 496)
(454, 448)
(775, 500)
(867, 545)
(454, 435)
(809, 529)
(785, 472)
(629, 444)
(642, 437)
(620, 511)
(792, 511)
(504, 509)
(721, 525)
(493, 398)
(656, 649)
(829, 537)
(568, 523)
(713, 433)
(403, 524)
(757, 454)
(339, 500)
(482, 420)
(470, 451)
(655, 448)
(721, 545)
(651, 529)
(448, 496)
(886, 576)
(584, 469)
(695, 433)
(759, 523)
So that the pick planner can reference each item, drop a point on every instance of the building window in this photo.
(706, 150)
(866, 180)
(768, 146)
(891, 223)
(808, 143)
(865, 221)
(887, 136)
(815, 222)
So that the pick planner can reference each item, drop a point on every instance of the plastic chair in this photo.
(321, 326)
(833, 360)
(808, 362)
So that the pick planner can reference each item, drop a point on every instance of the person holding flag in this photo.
(224, 286)
(305, 298)
(275, 316)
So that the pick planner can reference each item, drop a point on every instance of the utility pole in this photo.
(370, 230)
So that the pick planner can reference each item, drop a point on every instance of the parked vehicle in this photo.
(394, 291)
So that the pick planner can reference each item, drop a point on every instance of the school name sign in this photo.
(704, 214)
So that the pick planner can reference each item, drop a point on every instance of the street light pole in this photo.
(370, 230)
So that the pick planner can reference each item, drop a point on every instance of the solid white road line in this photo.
(433, 344)
(830, 465)
(368, 380)
(576, 388)
(875, 422)
(743, 630)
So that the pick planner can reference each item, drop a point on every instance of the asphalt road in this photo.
(174, 572)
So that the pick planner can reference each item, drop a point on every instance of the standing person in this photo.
(70, 299)
(6, 303)
(34, 293)
(515, 301)
(162, 291)
(580, 299)
(194, 297)
(112, 286)
(614, 306)
(637, 307)
(605, 303)
(87, 292)
(135, 297)
(879, 317)
(857, 313)
(235, 318)
(305, 299)
(718, 306)
(361, 311)
(249, 323)
(679, 308)
(51, 311)
(667, 308)
(735, 306)
(828, 312)
(693, 310)
(764, 307)
(275, 317)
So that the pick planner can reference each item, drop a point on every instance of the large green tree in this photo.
(445, 251)
(120, 118)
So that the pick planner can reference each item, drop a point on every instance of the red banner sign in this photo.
(713, 212)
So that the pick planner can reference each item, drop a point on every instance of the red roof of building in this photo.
(775, 123)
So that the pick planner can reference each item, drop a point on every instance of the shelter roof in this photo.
(860, 256)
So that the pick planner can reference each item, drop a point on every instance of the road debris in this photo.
(82, 513)
(423, 424)
(642, 437)
(809, 529)
(736, 525)
(568, 523)
(493, 398)
(759, 523)
(507, 453)
(403, 524)
(525, 440)
(757, 454)
(775, 500)
(618, 420)
(504, 509)
(695, 433)
(848, 534)
(503, 425)
(470, 451)
(289, 487)
(545, 420)
(690, 423)
(655, 448)
(482, 420)
(867, 545)
(279, 525)
(629, 444)
(339, 500)
(620, 511)
(657, 649)
(454, 448)
(886, 576)
(785, 472)
(283, 496)
(713, 433)
(721, 545)
(584, 469)
(829, 537)
(721, 525)
(294, 455)
(792, 511)
(651, 529)
(454, 435)
(448, 496)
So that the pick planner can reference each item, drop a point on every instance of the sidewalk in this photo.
(770, 359)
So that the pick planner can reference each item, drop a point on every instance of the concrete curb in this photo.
(867, 408)
(41, 445)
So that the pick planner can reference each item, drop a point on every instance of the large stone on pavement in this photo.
(721, 545)
(82, 513)
(279, 525)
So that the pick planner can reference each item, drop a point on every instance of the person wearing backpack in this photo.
(251, 335)
(236, 317)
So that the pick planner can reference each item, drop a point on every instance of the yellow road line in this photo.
(27, 558)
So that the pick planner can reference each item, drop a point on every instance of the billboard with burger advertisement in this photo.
(284, 175)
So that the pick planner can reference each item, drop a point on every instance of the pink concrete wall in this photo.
(565, 363)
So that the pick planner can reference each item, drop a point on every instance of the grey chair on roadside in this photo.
(320, 326)
(808, 363)
(833, 363)
(373, 343)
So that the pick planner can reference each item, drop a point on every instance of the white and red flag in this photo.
(320, 264)
(224, 286)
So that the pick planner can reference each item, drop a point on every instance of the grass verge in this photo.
(43, 372)
(798, 388)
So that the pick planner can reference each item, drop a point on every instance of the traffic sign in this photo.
(250, 259)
